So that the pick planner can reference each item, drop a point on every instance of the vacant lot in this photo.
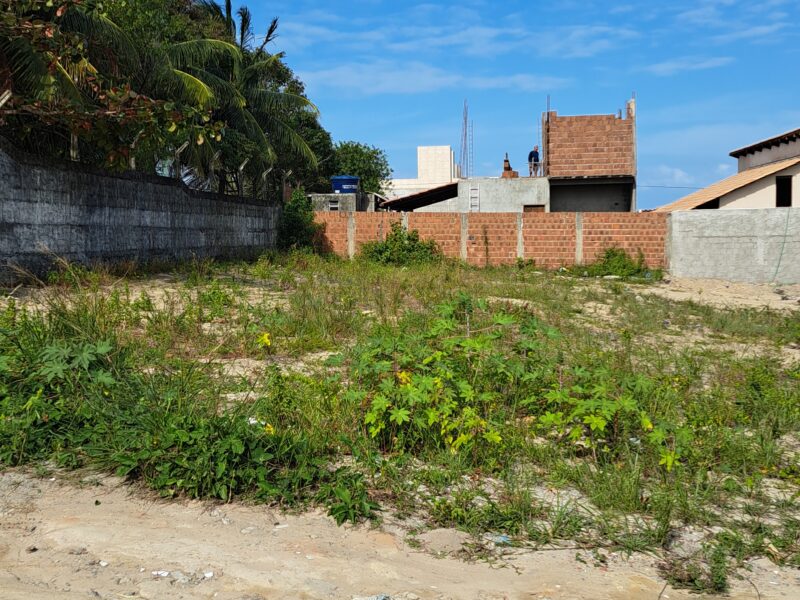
(589, 433)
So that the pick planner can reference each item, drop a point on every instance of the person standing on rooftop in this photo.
(533, 162)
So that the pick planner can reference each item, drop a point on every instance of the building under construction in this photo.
(588, 165)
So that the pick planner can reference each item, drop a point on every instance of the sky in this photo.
(709, 76)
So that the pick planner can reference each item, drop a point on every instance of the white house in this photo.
(768, 177)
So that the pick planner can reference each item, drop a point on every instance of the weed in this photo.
(401, 247)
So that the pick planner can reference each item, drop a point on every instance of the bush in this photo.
(615, 261)
(402, 247)
(296, 227)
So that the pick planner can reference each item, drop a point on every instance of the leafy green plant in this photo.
(617, 262)
(296, 226)
(401, 247)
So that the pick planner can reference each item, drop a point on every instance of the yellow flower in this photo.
(264, 340)
(404, 377)
(269, 429)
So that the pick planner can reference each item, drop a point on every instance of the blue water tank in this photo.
(345, 184)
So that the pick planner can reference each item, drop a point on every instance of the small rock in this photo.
(31, 549)
(376, 597)
(247, 530)
(160, 573)
(76, 550)
(103, 563)
(208, 574)
(611, 277)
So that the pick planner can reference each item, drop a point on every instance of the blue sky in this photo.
(709, 75)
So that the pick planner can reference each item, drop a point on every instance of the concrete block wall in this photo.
(753, 245)
(87, 216)
(551, 240)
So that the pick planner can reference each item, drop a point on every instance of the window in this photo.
(783, 192)
(333, 205)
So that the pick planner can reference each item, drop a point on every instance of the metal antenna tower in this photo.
(471, 150)
(463, 155)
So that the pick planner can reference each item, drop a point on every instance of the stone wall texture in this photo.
(88, 216)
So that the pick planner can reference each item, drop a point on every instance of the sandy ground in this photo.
(62, 540)
(726, 294)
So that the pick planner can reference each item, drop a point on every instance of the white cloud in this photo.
(758, 32)
(672, 176)
(390, 77)
(724, 169)
(686, 63)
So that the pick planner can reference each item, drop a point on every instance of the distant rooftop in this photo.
(783, 138)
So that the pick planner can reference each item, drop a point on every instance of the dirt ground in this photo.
(64, 539)
(726, 294)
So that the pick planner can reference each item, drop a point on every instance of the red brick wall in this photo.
(630, 231)
(334, 230)
(590, 146)
(549, 238)
(492, 239)
(373, 226)
(444, 228)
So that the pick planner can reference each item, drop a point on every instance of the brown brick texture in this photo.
(549, 239)
(372, 226)
(445, 228)
(630, 231)
(590, 146)
(334, 231)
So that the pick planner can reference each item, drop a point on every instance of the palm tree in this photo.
(249, 101)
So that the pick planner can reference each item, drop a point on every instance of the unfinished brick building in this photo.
(590, 161)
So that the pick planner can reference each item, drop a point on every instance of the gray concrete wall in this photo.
(497, 195)
(616, 197)
(346, 202)
(86, 215)
(752, 245)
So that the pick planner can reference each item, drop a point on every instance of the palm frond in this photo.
(280, 134)
(211, 9)
(193, 89)
(224, 91)
(29, 69)
(268, 101)
(272, 33)
(97, 27)
(245, 28)
(199, 53)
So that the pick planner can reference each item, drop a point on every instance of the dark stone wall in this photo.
(86, 215)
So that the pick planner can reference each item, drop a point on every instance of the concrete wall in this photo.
(762, 193)
(598, 197)
(496, 195)
(757, 246)
(435, 166)
(86, 215)
(769, 155)
(345, 202)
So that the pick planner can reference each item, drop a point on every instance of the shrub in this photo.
(296, 227)
(402, 247)
(615, 261)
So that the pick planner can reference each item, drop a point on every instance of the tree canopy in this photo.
(364, 161)
(137, 83)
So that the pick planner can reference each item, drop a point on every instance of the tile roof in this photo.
(726, 186)
(768, 143)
